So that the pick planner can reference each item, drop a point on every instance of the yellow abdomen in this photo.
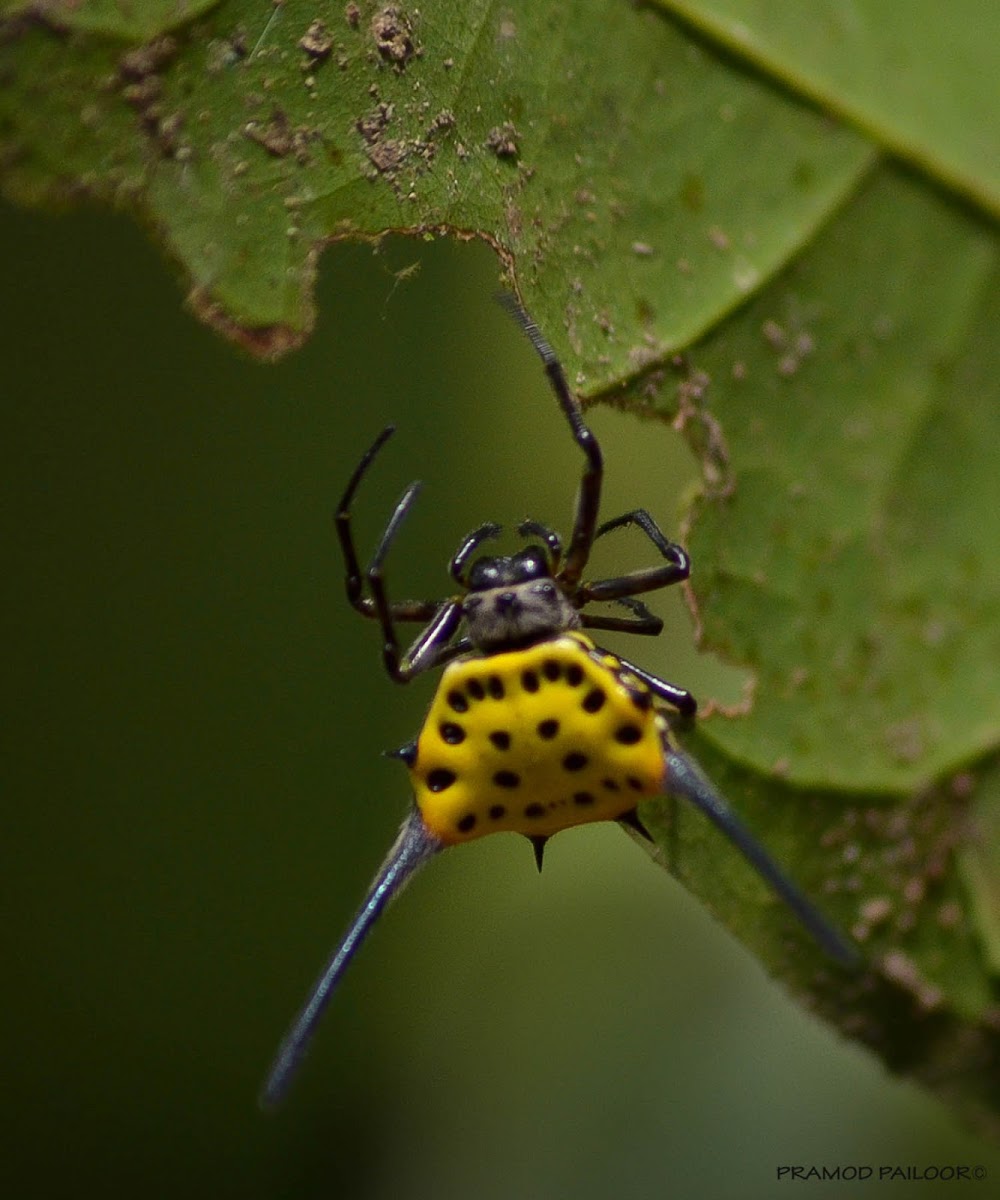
(535, 741)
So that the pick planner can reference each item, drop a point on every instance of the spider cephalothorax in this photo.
(514, 602)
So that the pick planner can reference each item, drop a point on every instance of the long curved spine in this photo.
(686, 780)
(412, 848)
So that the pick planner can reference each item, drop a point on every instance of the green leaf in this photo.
(129, 20)
(844, 550)
(633, 213)
(853, 565)
(920, 77)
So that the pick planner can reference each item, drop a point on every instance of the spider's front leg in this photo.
(643, 622)
(676, 569)
(676, 697)
(431, 647)
(588, 501)
(354, 578)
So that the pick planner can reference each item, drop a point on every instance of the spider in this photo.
(534, 728)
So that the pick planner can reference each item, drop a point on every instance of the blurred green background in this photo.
(194, 796)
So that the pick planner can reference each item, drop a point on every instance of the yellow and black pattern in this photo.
(535, 741)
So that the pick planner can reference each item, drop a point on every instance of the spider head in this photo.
(514, 600)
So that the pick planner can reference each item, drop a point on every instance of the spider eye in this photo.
(485, 574)
(532, 563)
(546, 590)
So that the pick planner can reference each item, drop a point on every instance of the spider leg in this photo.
(678, 698)
(407, 610)
(549, 536)
(676, 569)
(462, 555)
(402, 610)
(431, 646)
(342, 519)
(644, 621)
(641, 518)
(685, 779)
(588, 500)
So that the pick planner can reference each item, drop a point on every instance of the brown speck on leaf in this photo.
(147, 59)
(317, 41)
(876, 911)
(371, 126)
(905, 740)
(702, 429)
(791, 347)
(279, 138)
(142, 89)
(914, 890)
(774, 334)
(949, 915)
(901, 969)
(393, 35)
(963, 785)
(168, 135)
(144, 93)
(871, 914)
(502, 140)
(387, 155)
(719, 238)
(352, 15)
(239, 43)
